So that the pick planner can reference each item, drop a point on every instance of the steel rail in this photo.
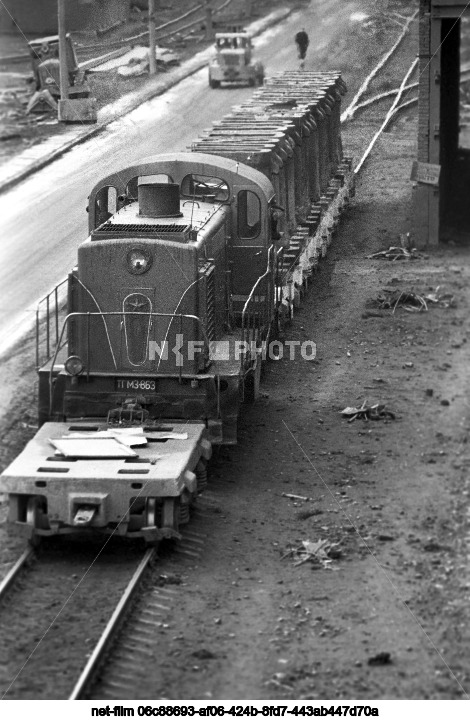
(109, 632)
(382, 96)
(391, 113)
(349, 112)
(15, 570)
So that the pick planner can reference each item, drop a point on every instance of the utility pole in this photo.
(64, 75)
(71, 109)
(209, 21)
(152, 39)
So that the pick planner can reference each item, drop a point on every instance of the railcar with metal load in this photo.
(192, 262)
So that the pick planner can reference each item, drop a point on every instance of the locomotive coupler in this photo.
(84, 515)
(130, 413)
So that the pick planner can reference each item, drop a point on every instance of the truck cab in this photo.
(233, 61)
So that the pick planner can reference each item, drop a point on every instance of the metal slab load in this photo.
(290, 131)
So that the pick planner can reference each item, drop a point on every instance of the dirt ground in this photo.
(387, 616)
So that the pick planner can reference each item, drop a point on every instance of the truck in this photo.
(233, 61)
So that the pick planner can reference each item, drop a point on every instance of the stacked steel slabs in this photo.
(290, 131)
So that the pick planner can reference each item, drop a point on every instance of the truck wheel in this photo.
(261, 79)
(214, 83)
(251, 82)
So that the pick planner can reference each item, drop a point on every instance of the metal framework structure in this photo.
(441, 165)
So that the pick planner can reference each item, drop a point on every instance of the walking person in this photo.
(302, 40)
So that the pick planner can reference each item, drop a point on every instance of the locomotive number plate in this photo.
(135, 384)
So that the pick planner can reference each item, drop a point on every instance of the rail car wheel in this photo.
(170, 513)
(201, 474)
(151, 512)
(35, 518)
(184, 512)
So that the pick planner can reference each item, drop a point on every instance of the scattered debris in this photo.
(395, 252)
(432, 546)
(297, 498)
(203, 654)
(376, 412)
(278, 681)
(445, 300)
(306, 513)
(408, 300)
(381, 659)
(169, 579)
(385, 537)
(319, 553)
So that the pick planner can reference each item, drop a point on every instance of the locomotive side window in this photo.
(204, 187)
(105, 204)
(249, 215)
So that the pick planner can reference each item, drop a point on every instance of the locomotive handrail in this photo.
(121, 313)
(246, 315)
(47, 299)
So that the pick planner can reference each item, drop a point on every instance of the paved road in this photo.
(44, 219)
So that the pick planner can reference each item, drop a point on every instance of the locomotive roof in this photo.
(180, 164)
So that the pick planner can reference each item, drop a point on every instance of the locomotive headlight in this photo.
(139, 261)
(73, 365)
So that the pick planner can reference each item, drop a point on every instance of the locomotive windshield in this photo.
(205, 187)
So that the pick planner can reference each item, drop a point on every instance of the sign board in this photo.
(427, 173)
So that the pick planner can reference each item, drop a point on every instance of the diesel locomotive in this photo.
(192, 263)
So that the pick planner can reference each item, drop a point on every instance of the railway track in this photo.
(129, 640)
(56, 607)
(123, 644)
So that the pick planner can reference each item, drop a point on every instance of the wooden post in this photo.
(152, 40)
(64, 74)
